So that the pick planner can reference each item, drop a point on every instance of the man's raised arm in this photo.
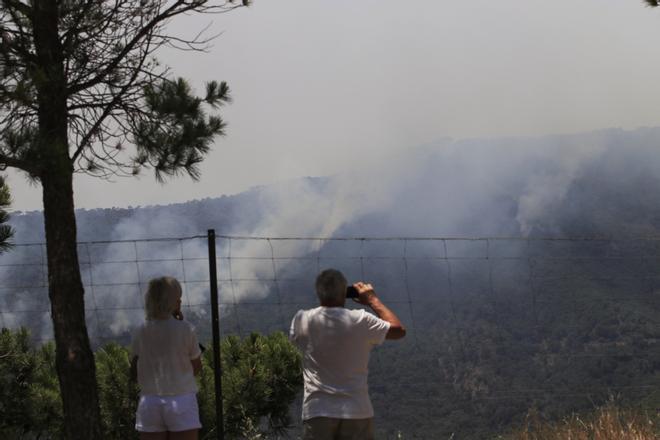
(367, 296)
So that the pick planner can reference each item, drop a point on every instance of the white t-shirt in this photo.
(164, 349)
(336, 343)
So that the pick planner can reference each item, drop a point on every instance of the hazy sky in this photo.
(322, 85)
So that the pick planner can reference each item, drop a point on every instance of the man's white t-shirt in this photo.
(336, 343)
(164, 349)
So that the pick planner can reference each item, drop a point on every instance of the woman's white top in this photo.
(164, 349)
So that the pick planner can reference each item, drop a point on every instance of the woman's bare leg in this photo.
(184, 435)
(154, 435)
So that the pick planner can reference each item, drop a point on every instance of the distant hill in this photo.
(605, 183)
(223, 213)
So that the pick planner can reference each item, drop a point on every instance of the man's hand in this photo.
(366, 293)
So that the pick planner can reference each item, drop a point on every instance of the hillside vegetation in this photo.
(607, 423)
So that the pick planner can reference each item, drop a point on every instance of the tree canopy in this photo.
(124, 109)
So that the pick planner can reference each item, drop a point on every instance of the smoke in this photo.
(470, 188)
(449, 189)
(596, 183)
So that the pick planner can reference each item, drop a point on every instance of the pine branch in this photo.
(14, 5)
(7, 161)
(6, 231)
(177, 8)
(109, 107)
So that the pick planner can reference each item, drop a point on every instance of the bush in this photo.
(117, 393)
(16, 373)
(30, 403)
(261, 377)
(44, 397)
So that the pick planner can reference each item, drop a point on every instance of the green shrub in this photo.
(44, 397)
(17, 365)
(118, 394)
(30, 403)
(261, 377)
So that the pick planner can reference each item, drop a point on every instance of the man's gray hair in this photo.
(161, 298)
(331, 286)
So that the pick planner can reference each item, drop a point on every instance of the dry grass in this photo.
(607, 423)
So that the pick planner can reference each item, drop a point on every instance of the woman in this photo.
(167, 357)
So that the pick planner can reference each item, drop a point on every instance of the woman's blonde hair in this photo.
(161, 298)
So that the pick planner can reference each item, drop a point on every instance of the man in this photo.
(335, 343)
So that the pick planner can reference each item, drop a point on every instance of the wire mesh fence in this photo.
(496, 323)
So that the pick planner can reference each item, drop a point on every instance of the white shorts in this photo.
(167, 413)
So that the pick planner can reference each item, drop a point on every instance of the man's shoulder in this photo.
(307, 312)
(299, 323)
(356, 314)
(367, 319)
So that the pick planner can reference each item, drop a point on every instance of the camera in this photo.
(352, 292)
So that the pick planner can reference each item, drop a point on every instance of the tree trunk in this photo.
(74, 358)
(75, 361)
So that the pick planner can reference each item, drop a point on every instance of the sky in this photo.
(321, 86)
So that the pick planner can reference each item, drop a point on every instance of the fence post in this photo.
(215, 326)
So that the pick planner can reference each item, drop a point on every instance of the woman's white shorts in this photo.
(167, 413)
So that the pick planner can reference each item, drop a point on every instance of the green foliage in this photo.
(118, 394)
(261, 377)
(178, 133)
(29, 395)
(16, 371)
(120, 95)
(6, 232)
(45, 402)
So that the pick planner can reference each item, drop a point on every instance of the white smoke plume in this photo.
(474, 188)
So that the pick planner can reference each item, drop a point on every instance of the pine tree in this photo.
(6, 231)
(81, 91)
(261, 377)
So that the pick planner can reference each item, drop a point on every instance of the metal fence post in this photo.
(215, 326)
